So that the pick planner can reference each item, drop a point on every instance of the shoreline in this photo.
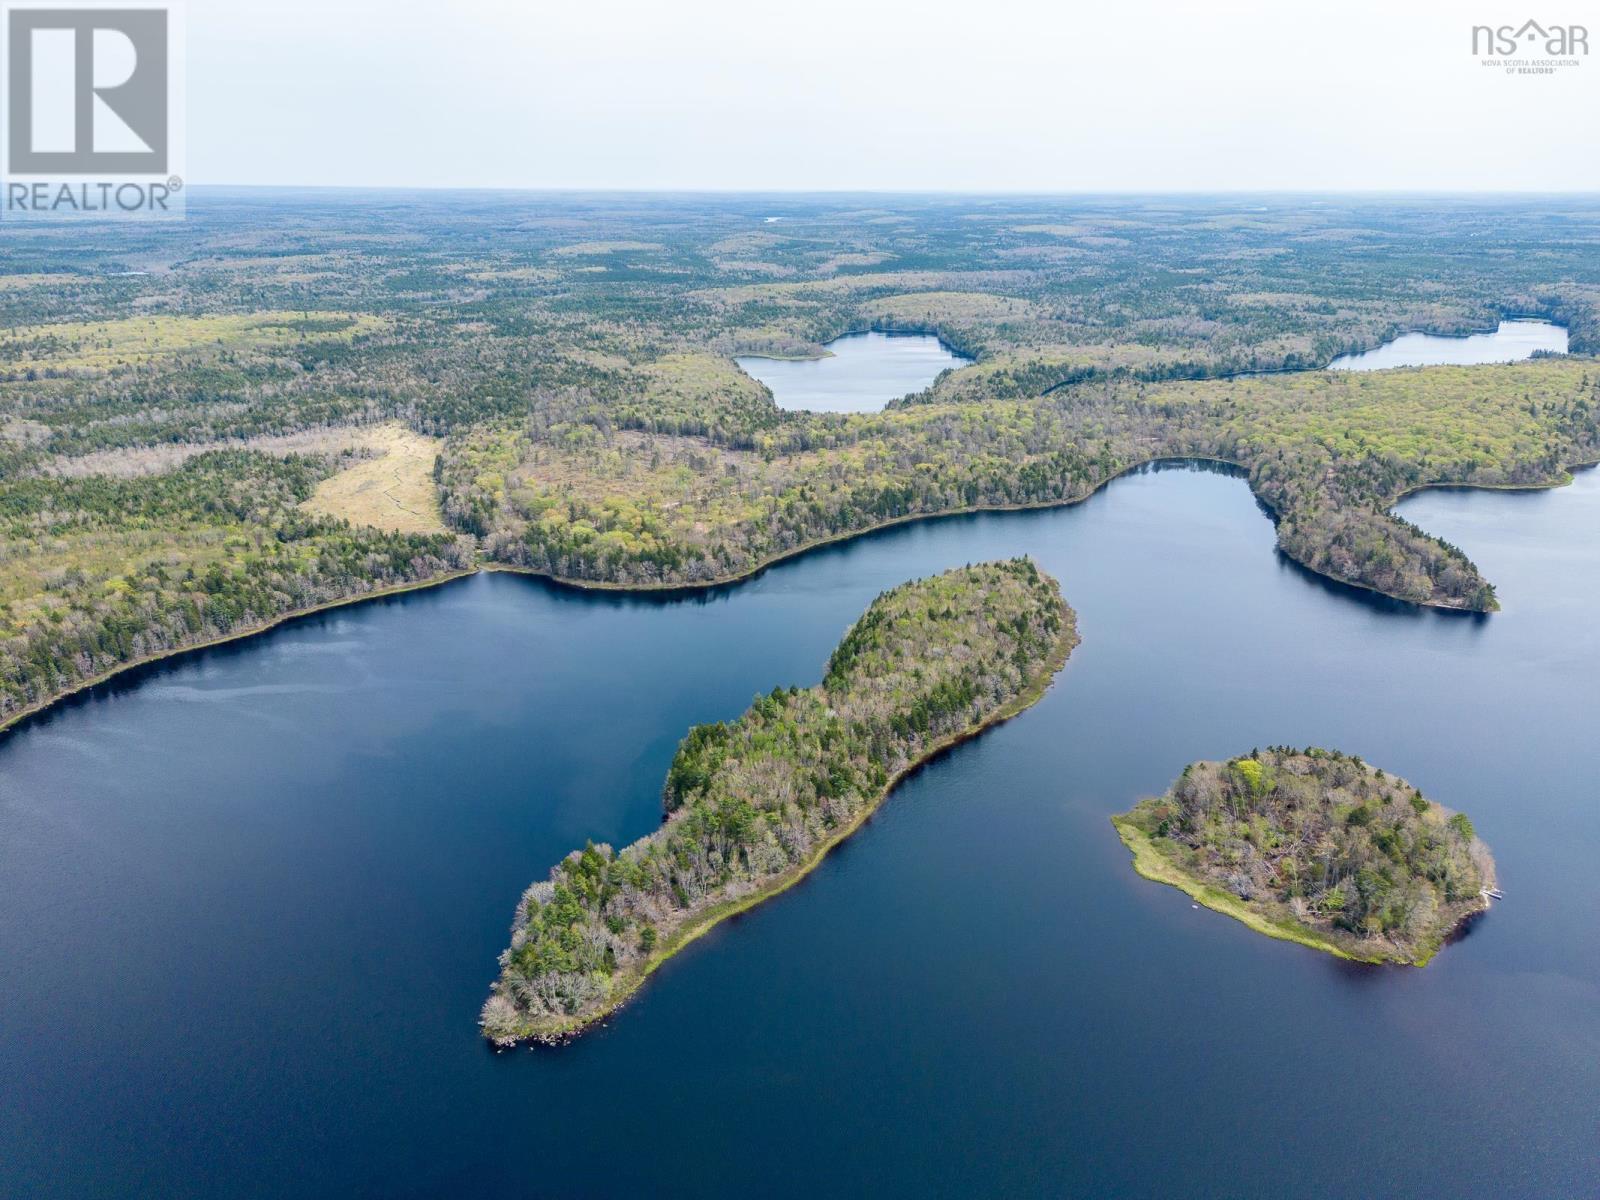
(699, 585)
(917, 331)
(1502, 319)
(702, 922)
(1149, 863)
(43, 706)
(1201, 376)
(9, 723)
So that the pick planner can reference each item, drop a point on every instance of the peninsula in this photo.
(754, 804)
(1316, 847)
(282, 409)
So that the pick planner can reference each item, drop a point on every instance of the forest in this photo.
(583, 495)
(1318, 847)
(102, 571)
(753, 804)
(200, 423)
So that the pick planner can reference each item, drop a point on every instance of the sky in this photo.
(987, 95)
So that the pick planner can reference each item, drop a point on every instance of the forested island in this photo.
(1316, 847)
(753, 804)
(284, 406)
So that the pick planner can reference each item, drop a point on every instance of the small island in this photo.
(1316, 847)
(752, 805)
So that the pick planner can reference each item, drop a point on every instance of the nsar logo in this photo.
(1531, 48)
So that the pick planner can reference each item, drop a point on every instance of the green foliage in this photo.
(753, 801)
(577, 353)
(1252, 773)
(123, 569)
(568, 494)
(1318, 839)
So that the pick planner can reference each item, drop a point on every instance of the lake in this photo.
(863, 372)
(253, 896)
(1513, 341)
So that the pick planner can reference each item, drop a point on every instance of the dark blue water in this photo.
(252, 899)
(863, 372)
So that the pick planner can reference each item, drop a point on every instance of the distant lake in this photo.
(1512, 342)
(864, 372)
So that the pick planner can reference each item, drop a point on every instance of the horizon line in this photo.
(578, 189)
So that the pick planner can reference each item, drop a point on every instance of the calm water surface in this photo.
(1511, 342)
(865, 372)
(252, 899)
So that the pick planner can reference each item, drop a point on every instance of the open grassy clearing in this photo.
(393, 489)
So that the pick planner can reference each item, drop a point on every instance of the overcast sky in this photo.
(846, 94)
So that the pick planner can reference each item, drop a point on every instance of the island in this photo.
(753, 804)
(1316, 847)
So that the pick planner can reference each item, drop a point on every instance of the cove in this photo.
(1513, 341)
(253, 895)
(862, 373)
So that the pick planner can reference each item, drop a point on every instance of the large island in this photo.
(1317, 847)
(752, 805)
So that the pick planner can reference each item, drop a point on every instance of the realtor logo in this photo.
(91, 100)
(87, 91)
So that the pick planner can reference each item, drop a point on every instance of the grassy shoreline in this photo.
(556, 1032)
(1158, 868)
(1401, 874)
